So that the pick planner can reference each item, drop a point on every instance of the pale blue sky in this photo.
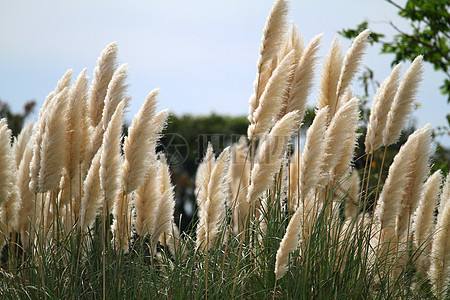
(201, 54)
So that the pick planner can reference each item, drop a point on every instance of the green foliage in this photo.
(186, 137)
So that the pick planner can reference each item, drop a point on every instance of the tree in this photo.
(16, 120)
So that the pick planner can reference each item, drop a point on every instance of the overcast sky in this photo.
(201, 54)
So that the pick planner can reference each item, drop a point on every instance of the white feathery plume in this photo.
(342, 128)
(91, 201)
(148, 197)
(288, 244)
(270, 154)
(445, 195)
(138, 150)
(52, 153)
(351, 62)
(416, 178)
(21, 142)
(314, 148)
(26, 210)
(110, 160)
(103, 73)
(213, 211)
(271, 42)
(439, 271)
(389, 202)
(271, 99)
(74, 116)
(302, 78)
(164, 216)
(239, 181)
(114, 94)
(330, 77)
(380, 109)
(403, 102)
(7, 165)
(203, 175)
(424, 220)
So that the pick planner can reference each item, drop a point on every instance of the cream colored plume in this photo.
(38, 132)
(9, 214)
(27, 202)
(21, 142)
(288, 244)
(138, 147)
(212, 210)
(271, 99)
(53, 146)
(203, 175)
(342, 128)
(270, 154)
(424, 220)
(239, 173)
(64, 82)
(439, 272)
(314, 148)
(347, 156)
(92, 199)
(390, 201)
(110, 160)
(270, 45)
(403, 102)
(7, 165)
(292, 41)
(330, 77)
(302, 79)
(380, 109)
(148, 198)
(74, 117)
(114, 94)
(416, 177)
(103, 73)
(351, 62)
(445, 195)
(164, 221)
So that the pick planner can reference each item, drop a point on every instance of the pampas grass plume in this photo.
(271, 99)
(351, 62)
(270, 155)
(403, 102)
(110, 160)
(52, 155)
(424, 219)
(314, 148)
(330, 77)
(114, 94)
(21, 142)
(137, 148)
(380, 109)
(103, 73)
